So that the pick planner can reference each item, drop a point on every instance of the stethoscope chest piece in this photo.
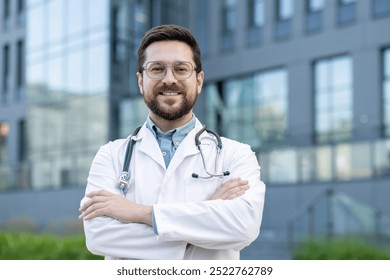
(124, 182)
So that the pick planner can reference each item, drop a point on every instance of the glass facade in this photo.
(333, 99)
(386, 91)
(325, 163)
(81, 89)
(67, 88)
(251, 109)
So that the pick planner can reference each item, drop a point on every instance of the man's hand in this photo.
(231, 189)
(104, 203)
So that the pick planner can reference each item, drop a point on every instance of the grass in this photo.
(28, 246)
(340, 249)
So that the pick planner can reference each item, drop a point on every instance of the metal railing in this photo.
(333, 213)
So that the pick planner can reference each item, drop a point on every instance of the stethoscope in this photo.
(125, 180)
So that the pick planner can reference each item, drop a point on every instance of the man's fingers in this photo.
(234, 192)
(91, 201)
(96, 209)
(230, 189)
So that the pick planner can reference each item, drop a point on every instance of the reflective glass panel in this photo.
(361, 160)
(75, 12)
(97, 70)
(333, 98)
(283, 166)
(36, 27)
(75, 73)
(285, 9)
(315, 5)
(55, 23)
(382, 157)
(98, 11)
(323, 163)
(343, 168)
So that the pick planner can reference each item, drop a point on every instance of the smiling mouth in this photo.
(169, 93)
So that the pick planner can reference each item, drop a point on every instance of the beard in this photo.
(173, 112)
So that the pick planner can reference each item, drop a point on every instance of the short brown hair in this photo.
(169, 33)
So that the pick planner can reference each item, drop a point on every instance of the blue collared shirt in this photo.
(170, 141)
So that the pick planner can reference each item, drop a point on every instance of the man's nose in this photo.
(169, 77)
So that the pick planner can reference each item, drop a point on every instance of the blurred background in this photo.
(305, 82)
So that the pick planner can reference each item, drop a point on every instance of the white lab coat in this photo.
(189, 225)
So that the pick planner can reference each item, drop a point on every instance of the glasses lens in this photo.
(182, 70)
(157, 70)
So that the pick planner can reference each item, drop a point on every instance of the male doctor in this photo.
(169, 213)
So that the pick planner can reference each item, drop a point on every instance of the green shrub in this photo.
(340, 249)
(27, 246)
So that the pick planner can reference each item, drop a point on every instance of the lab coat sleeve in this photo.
(218, 224)
(109, 237)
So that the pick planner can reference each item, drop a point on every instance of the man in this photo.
(184, 201)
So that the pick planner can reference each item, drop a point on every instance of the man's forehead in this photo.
(169, 51)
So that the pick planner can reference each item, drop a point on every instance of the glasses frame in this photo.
(144, 68)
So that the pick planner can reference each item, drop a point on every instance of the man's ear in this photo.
(199, 81)
(140, 82)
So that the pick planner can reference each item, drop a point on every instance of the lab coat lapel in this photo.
(149, 146)
(186, 148)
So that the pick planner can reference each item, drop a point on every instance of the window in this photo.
(314, 15)
(20, 12)
(284, 15)
(22, 135)
(174, 11)
(285, 9)
(20, 64)
(381, 7)
(228, 24)
(256, 19)
(346, 12)
(201, 28)
(6, 73)
(251, 109)
(333, 99)
(4, 132)
(6, 14)
(256, 13)
(386, 91)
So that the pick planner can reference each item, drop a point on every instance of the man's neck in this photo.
(166, 125)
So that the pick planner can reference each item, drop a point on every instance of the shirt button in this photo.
(164, 154)
(177, 143)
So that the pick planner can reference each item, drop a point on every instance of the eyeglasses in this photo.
(156, 70)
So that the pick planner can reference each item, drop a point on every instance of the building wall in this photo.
(12, 100)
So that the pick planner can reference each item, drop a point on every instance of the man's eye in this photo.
(157, 69)
(181, 69)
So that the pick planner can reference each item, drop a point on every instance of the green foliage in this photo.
(340, 249)
(27, 246)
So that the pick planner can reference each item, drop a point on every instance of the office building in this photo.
(305, 82)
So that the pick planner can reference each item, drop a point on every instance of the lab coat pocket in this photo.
(200, 189)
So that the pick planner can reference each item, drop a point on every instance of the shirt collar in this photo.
(177, 134)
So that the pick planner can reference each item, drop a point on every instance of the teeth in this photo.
(170, 93)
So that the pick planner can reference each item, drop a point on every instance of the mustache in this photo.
(163, 88)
